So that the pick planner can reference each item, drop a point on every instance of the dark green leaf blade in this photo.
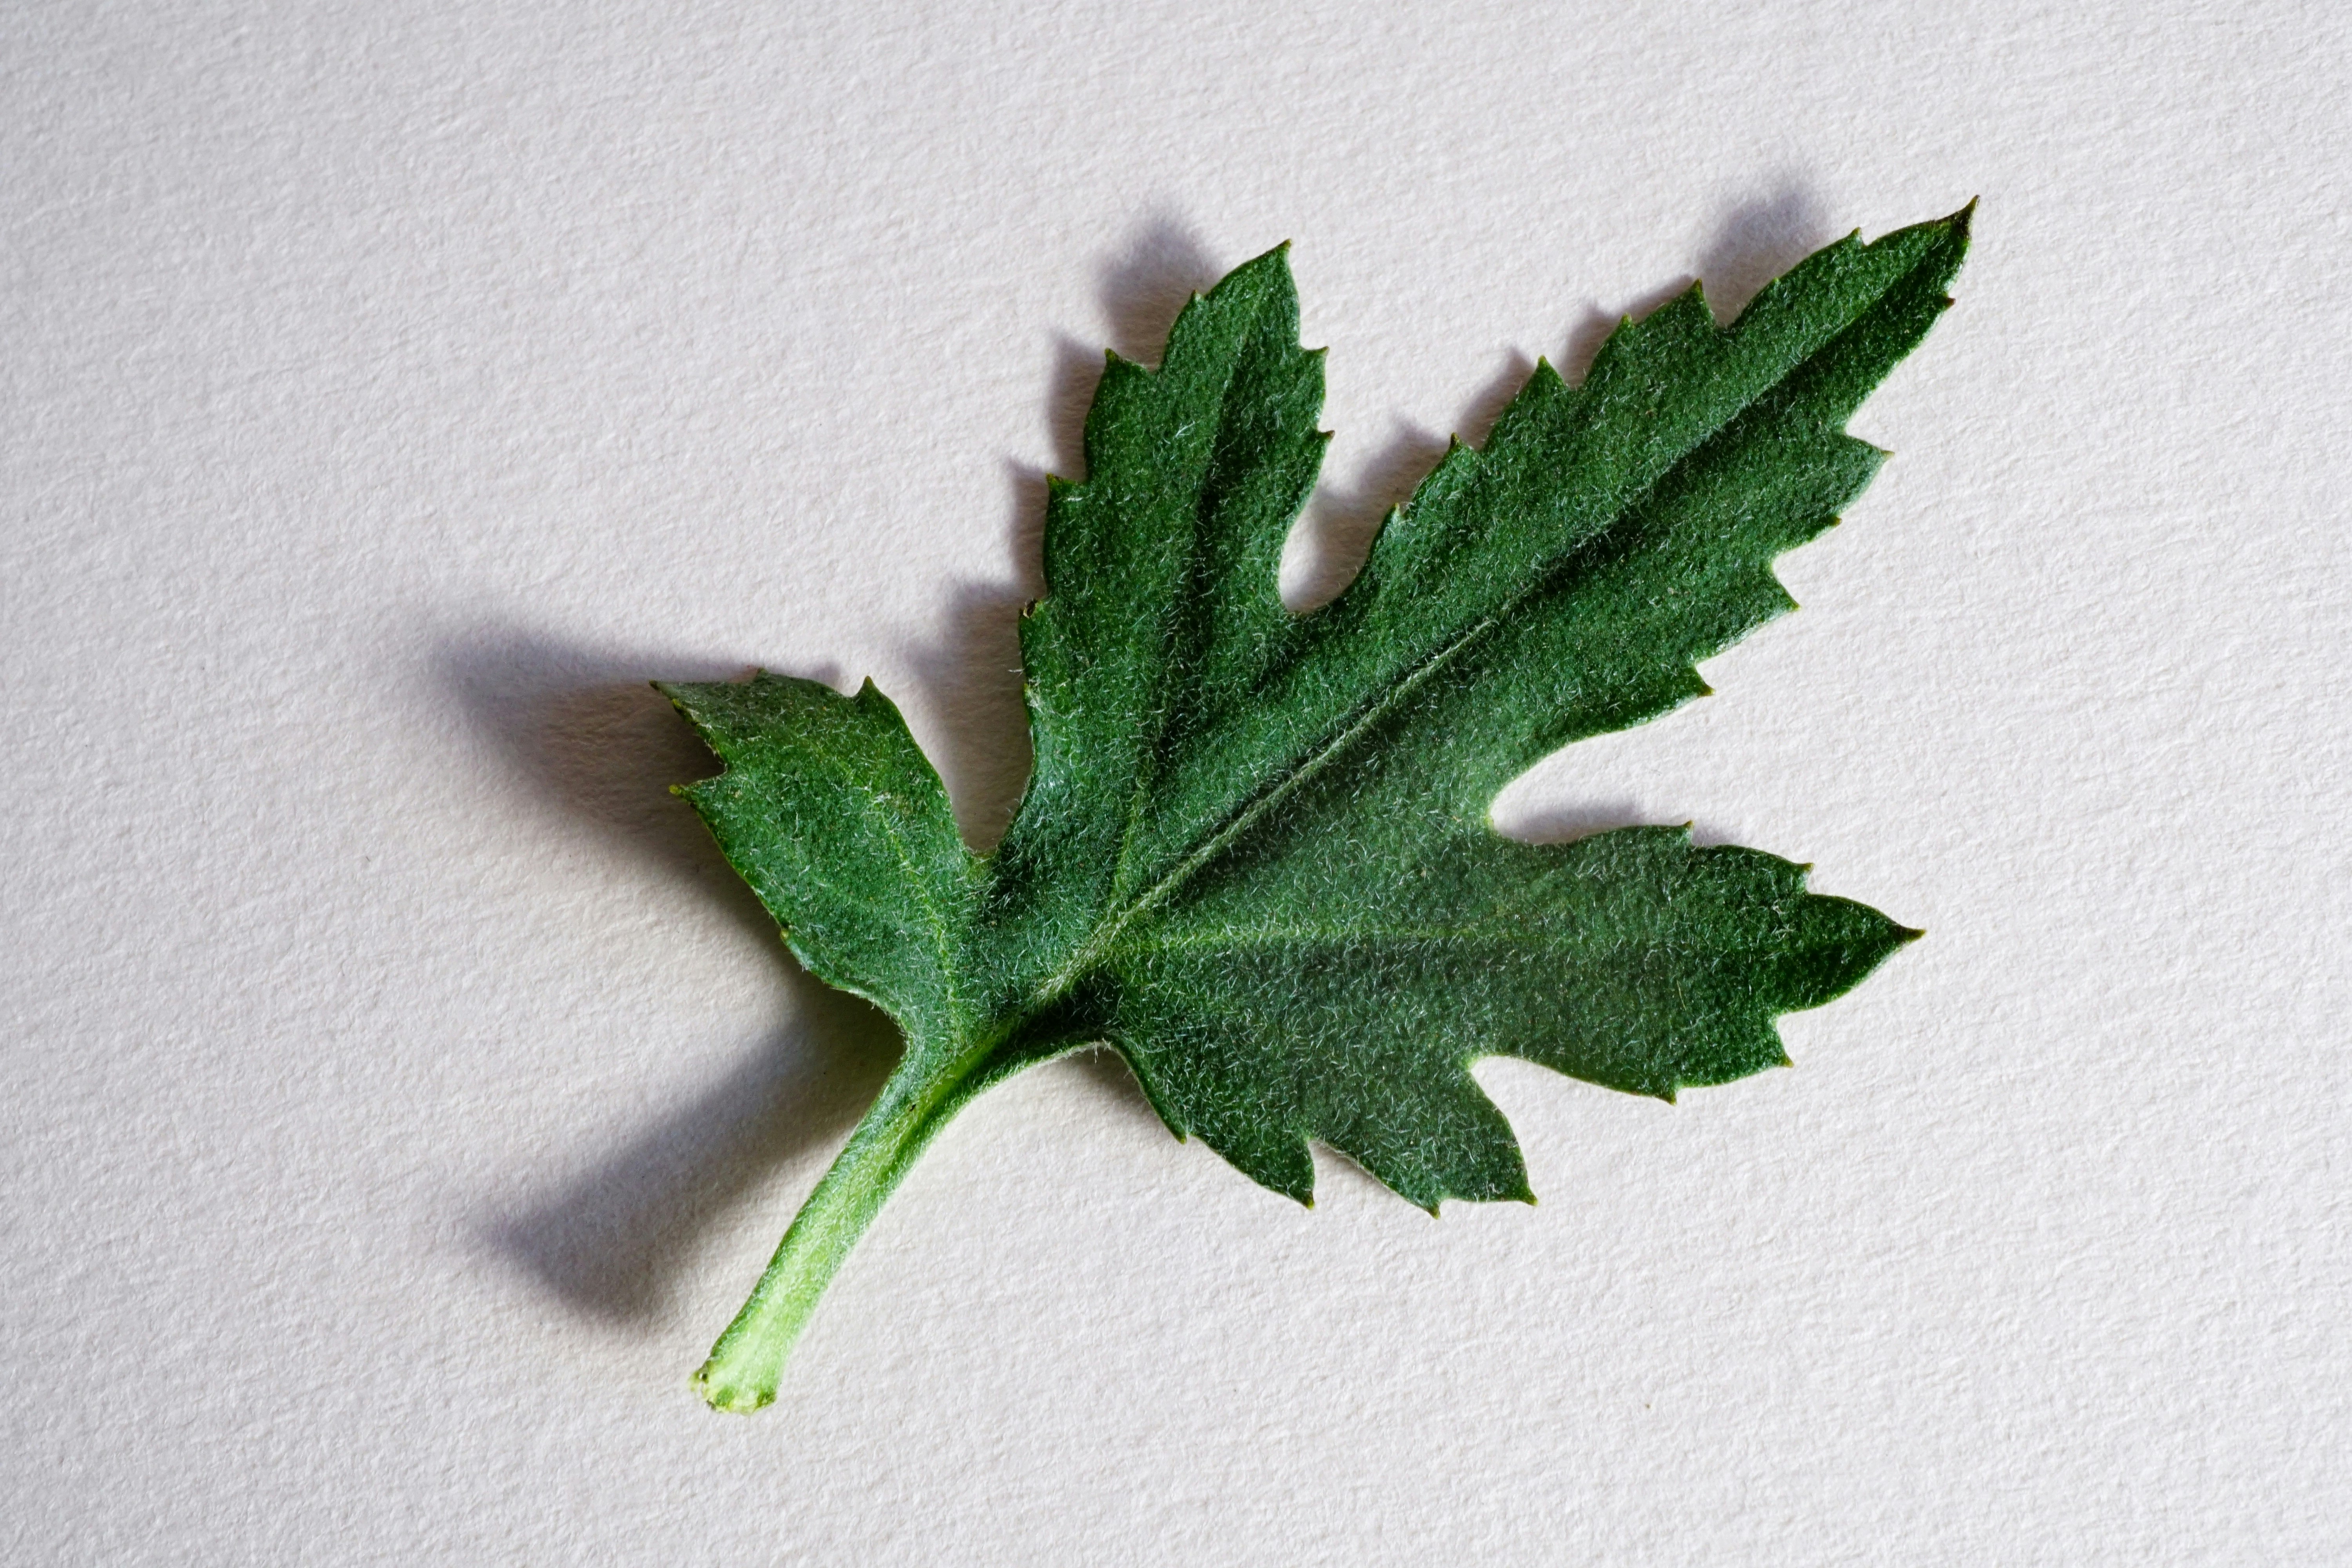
(1630, 959)
(1373, 831)
(1159, 570)
(1254, 856)
(1675, 413)
(834, 817)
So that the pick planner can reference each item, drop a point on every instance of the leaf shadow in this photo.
(1568, 822)
(590, 739)
(612, 1241)
(1756, 239)
(595, 745)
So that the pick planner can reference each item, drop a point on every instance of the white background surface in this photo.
(399, 1094)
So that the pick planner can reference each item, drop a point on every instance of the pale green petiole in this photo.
(749, 1359)
(922, 1097)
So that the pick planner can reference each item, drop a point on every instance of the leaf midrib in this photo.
(1313, 937)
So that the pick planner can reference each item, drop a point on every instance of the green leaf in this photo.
(1254, 856)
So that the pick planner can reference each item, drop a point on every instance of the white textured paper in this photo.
(399, 1093)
